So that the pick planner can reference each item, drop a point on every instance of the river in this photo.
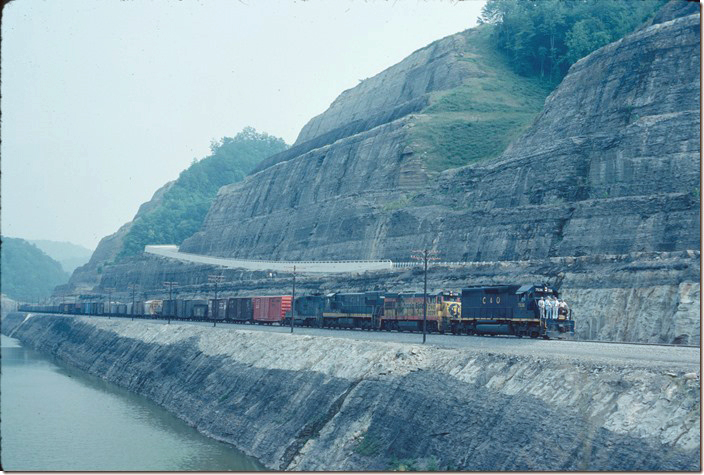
(54, 417)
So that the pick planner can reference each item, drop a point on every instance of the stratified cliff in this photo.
(611, 165)
(600, 196)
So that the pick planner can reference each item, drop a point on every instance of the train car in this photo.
(404, 311)
(118, 308)
(217, 309)
(239, 309)
(174, 308)
(153, 307)
(196, 309)
(309, 311)
(353, 310)
(69, 308)
(510, 310)
(270, 310)
(92, 308)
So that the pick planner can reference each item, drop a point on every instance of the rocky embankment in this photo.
(302, 403)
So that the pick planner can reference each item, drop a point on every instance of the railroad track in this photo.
(360, 330)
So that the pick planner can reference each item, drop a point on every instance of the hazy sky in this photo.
(105, 101)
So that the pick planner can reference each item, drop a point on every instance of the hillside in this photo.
(28, 274)
(178, 208)
(68, 254)
(599, 192)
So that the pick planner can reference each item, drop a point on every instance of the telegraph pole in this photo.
(171, 301)
(109, 289)
(293, 299)
(216, 278)
(425, 255)
(132, 287)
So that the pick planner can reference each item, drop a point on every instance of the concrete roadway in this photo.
(673, 358)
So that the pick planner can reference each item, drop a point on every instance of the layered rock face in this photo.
(608, 174)
(299, 402)
(610, 166)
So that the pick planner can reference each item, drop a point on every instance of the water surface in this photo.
(54, 417)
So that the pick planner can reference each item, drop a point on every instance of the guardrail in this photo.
(322, 267)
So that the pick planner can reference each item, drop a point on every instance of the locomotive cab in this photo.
(554, 323)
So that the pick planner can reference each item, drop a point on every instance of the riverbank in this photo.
(299, 402)
(105, 423)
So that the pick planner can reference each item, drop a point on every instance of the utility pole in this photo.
(133, 287)
(109, 289)
(216, 278)
(171, 300)
(293, 299)
(425, 255)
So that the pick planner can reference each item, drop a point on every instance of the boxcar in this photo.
(239, 309)
(270, 309)
(217, 309)
(196, 309)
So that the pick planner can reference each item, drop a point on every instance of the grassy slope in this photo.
(477, 121)
(27, 273)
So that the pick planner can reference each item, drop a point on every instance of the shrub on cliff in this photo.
(185, 204)
(545, 37)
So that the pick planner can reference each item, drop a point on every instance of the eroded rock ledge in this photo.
(302, 403)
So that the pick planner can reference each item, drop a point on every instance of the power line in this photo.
(425, 255)
(217, 279)
(171, 300)
(133, 288)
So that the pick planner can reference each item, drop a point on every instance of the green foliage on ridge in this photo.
(545, 37)
(477, 120)
(517, 56)
(28, 274)
(185, 204)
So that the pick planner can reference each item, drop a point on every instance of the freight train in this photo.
(477, 310)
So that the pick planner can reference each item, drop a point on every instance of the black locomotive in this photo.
(514, 310)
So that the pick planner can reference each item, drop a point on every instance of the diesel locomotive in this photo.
(511, 310)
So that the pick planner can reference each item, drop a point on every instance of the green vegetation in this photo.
(516, 58)
(545, 37)
(368, 445)
(27, 273)
(183, 208)
(402, 465)
(477, 120)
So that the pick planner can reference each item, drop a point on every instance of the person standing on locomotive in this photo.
(541, 306)
(552, 314)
